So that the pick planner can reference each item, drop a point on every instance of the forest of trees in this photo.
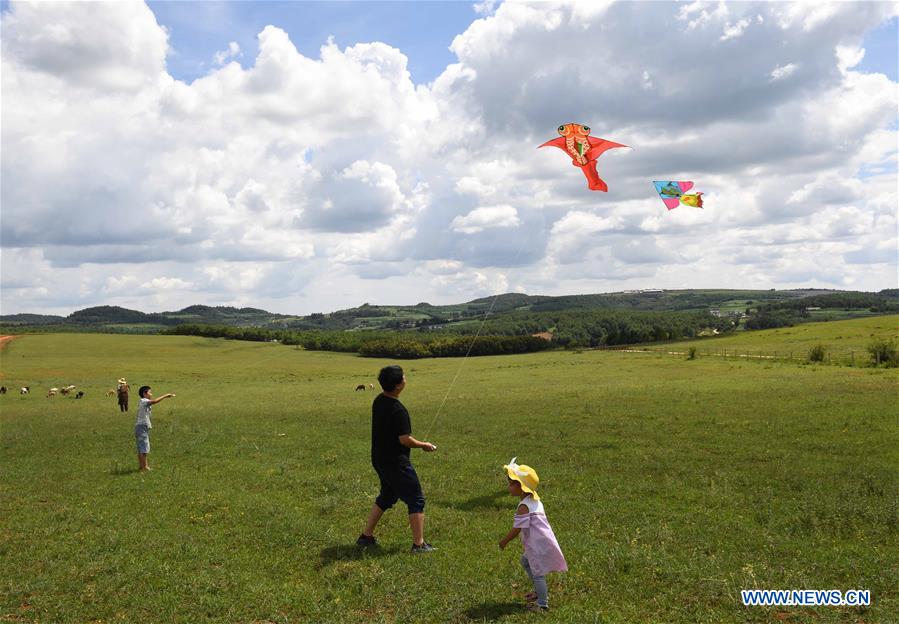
(508, 334)
(603, 327)
(405, 345)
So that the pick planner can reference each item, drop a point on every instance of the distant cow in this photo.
(24, 389)
(2, 389)
(360, 387)
(66, 389)
(79, 395)
(52, 392)
(371, 386)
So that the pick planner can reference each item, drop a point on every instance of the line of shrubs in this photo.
(453, 346)
(374, 344)
(882, 351)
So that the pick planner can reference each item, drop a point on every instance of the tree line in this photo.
(793, 311)
(603, 327)
(405, 345)
(508, 334)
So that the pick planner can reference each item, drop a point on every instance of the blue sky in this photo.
(422, 30)
(882, 50)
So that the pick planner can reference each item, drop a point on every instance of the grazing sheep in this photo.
(24, 389)
(371, 386)
(80, 394)
(360, 387)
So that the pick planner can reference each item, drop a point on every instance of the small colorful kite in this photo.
(675, 193)
(584, 150)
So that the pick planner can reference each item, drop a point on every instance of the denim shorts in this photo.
(142, 433)
(399, 482)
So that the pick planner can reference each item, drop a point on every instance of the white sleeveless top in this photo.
(534, 506)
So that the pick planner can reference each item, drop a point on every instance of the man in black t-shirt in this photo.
(391, 442)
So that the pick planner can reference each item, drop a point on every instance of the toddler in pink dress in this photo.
(541, 549)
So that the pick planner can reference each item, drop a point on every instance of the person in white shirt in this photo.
(143, 425)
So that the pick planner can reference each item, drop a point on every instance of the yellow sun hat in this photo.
(525, 475)
(122, 380)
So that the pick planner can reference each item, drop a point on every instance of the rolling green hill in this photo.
(769, 307)
(844, 341)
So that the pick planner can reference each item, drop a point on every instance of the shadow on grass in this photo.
(351, 552)
(492, 611)
(120, 471)
(491, 501)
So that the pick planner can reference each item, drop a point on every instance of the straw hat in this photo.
(525, 475)
(122, 380)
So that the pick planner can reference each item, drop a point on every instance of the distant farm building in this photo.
(547, 336)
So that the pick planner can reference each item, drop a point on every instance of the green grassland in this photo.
(844, 341)
(670, 484)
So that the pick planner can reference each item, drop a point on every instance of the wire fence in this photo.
(840, 358)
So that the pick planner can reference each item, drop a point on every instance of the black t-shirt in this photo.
(389, 421)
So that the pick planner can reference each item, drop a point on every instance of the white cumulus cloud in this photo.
(486, 217)
(313, 182)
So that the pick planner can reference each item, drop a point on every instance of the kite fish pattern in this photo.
(575, 140)
(674, 194)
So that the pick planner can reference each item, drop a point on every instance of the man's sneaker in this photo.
(425, 547)
(366, 540)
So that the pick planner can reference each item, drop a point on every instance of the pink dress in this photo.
(540, 544)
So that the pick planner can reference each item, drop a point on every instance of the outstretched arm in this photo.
(164, 396)
(409, 442)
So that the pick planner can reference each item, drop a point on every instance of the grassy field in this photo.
(670, 484)
(845, 341)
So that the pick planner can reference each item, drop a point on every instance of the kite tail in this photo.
(594, 182)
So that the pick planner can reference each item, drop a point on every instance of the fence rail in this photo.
(842, 358)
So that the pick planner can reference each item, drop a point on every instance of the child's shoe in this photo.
(424, 548)
(366, 540)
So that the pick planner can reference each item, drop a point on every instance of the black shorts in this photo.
(399, 482)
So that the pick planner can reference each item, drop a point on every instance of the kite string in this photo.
(470, 346)
(459, 370)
